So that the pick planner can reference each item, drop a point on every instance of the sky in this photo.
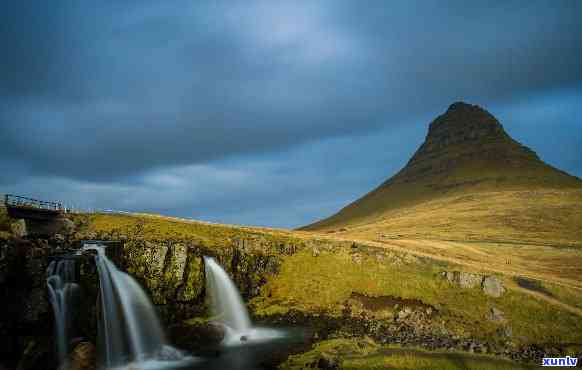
(271, 113)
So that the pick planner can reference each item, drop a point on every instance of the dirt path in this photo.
(406, 246)
(548, 299)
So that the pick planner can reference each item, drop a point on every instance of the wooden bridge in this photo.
(32, 209)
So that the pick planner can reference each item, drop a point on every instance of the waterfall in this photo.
(129, 329)
(226, 302)
(228, 307)
(63, 292)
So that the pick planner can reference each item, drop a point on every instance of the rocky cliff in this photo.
(26, 318)
(466, 136)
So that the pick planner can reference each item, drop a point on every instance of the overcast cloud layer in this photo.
(267, 112)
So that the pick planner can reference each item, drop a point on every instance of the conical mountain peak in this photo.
(465, 151)
(467, 134)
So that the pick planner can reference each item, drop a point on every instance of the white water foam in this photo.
(229, 309)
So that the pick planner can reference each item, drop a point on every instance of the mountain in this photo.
(466, 152)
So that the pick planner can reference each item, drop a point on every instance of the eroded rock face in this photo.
(173, 271)
(48, 228)
(26, 318)
(465, 134)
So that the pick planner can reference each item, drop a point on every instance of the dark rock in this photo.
(203, 335)
(58, 238)
(83, 357)
(327, 362)
(36, 355)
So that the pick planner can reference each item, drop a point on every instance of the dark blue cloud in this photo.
(267, 112)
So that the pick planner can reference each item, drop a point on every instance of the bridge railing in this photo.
(11, 200)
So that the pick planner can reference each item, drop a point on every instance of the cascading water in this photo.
(63, 291)
(226, 301)
(228, 307)
(129, 329)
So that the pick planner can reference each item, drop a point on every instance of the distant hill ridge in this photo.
(466, 150)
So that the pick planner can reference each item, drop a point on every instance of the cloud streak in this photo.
(195, 97)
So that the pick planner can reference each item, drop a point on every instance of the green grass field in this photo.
(365, 354)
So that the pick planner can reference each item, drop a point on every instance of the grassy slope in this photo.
(369, 355)
(323, 283)
(544, 216)
(155, 227)
(537, 234)
(472, 180)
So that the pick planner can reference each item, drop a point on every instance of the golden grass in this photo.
(324, 283)
(548, 217)
(535, 233)
(559, 265)
(155, 228)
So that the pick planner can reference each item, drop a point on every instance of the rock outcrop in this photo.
(490, 284)
(26, 318)
(465, 134)
(463, 279)
(173, 272)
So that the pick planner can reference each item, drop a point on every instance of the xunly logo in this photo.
(560, 361)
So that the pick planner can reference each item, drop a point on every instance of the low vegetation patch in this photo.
(4, 220)
(365, 354)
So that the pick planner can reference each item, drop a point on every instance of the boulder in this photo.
(492, 286)
(67, 226)
(327, 362)
(463, 279)
(83, 357)
(19, 229)
(468, 280)
(496, 315)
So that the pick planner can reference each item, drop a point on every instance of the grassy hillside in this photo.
(353, 289)
(339, 278)
(388, 199)
(160, 228)
(366, 354)
(548, 217)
